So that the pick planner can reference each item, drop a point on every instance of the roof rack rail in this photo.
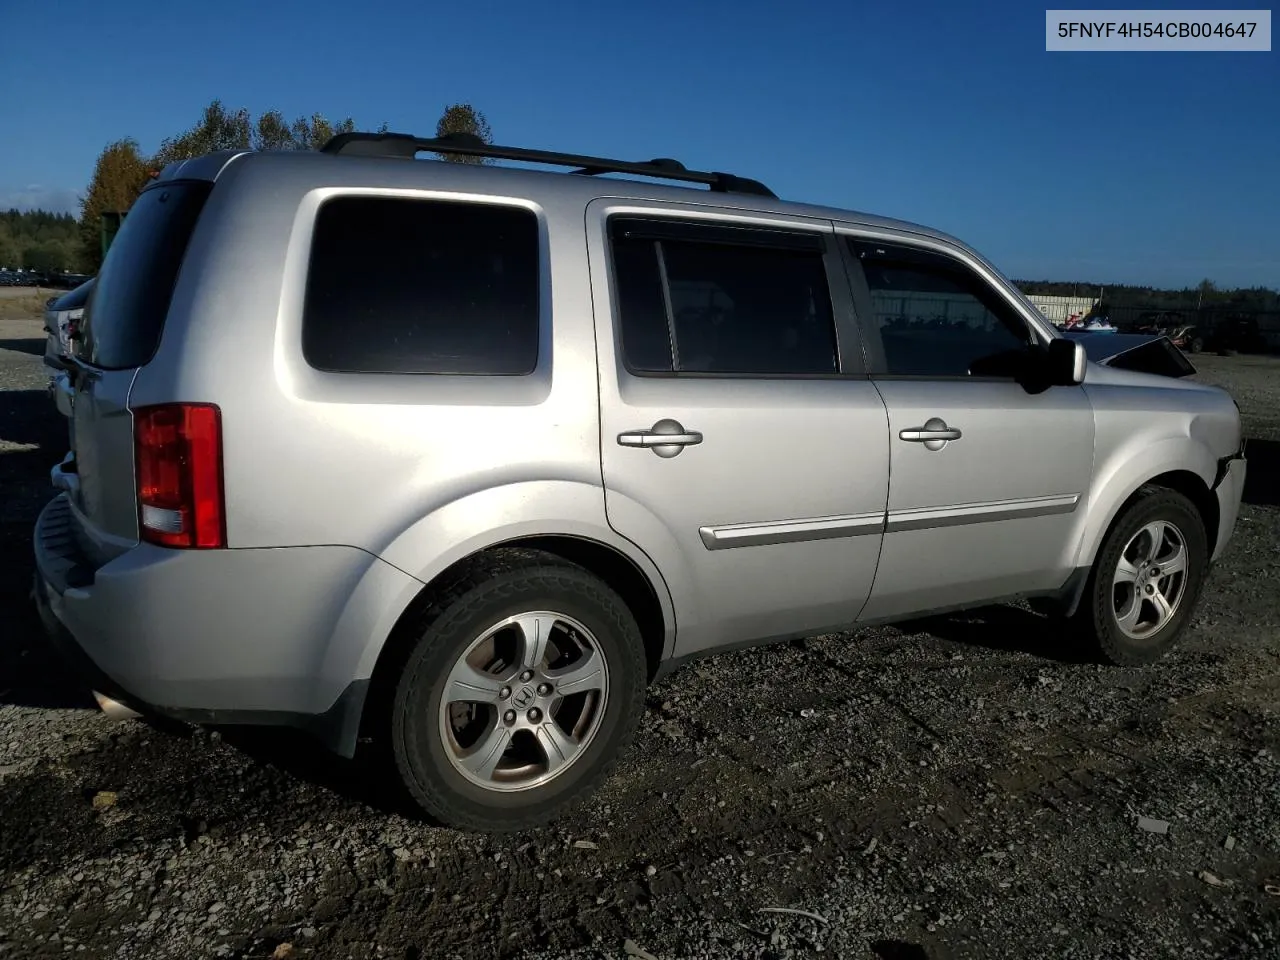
(407, 146)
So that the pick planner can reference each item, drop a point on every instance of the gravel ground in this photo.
(961, 787)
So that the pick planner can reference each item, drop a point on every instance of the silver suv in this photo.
(458, 457)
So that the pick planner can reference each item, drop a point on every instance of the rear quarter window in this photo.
(125, 313)
(400, 285)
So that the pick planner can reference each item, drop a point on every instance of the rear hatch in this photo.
(120, 333)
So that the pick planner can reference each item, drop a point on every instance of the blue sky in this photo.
(1154, 168)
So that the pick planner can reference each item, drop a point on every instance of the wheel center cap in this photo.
(523, 697)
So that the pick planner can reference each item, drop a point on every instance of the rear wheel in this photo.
(1146, 580)
(519, 695)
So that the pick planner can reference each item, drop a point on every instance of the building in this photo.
(1060, 309)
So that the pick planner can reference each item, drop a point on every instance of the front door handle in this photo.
(666, 438)
(934, 434)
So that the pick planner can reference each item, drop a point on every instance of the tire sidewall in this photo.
(1171, 506)
(416, 736)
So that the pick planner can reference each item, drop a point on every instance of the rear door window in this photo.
(730, 301)
(125, 314)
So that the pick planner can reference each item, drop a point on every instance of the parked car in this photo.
(1184, 336)
(1234, 333)
(459, 458)
(62, 317)
(1134, 351)
(1158, 321)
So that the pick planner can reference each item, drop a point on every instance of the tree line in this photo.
(1118, 296)
(122, 169)
(37, 240)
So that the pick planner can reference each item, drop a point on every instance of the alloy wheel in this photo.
(523, 701)
(1150, 579)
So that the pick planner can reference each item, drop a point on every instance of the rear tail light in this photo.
(178, 449)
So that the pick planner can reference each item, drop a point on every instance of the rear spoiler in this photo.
(1142, 353)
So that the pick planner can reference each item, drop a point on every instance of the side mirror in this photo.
(1066, 362)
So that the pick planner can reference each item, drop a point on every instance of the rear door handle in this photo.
(666, 438)
(921, 435)
(934, 434)
(644, 438)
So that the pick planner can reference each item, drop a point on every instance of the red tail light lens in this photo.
(178, 449)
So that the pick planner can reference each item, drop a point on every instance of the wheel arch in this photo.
(643, 591)
(1179, 463)
(1187, 482)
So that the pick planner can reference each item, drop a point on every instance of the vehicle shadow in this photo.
(1004, 628)
(31, 675)
(1262, 479)
(898, 950)
(29, 418)
(32, 345)
(366, 779)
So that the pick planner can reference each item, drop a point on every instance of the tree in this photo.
(118, 178)
(10, 255)
(122, 171)
(1206, 288)
(272, 132)
(463, 118)
(47, 257)
(218, 129)
(314, 133)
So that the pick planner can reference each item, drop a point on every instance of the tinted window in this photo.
(691, 306)
(935, 316)
(646, 336)
(422, 286)
(125, 313)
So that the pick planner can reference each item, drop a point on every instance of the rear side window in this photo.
(125, 313)
(728, 301)
(422, 286)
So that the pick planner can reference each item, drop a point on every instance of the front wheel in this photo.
(519, 694)
(1146, 580)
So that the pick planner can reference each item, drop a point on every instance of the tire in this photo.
(1196, 345)
(1141, 637)
(495, 762)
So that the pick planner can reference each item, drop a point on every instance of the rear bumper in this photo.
(71, 653)
(1229, 489)
(272, 637)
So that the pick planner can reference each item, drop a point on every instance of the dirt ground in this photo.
(968, 786)
(19, 303)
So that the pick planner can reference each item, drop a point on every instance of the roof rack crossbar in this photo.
(406, 146)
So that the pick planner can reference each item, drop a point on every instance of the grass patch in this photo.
(28, 306)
